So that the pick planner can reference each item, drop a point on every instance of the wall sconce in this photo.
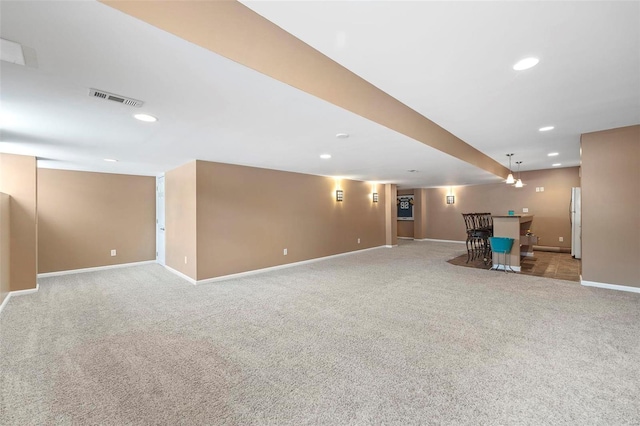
(339, 195)
(375, 197)
(451, 199)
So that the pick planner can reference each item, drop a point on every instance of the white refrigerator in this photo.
(576, 223)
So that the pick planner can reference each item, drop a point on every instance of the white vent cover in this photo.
(10, 51)
(115, 98)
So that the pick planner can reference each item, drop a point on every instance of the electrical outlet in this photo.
(113, 252)
(284, 252)
(561, 239)
(525, 210)
(185, 260)
(537, 189)
(358, 240)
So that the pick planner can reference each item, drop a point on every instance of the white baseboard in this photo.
(405, 238)
(609, 286)
(5, 301)
(440, 241)
(391, 246)
(27, 291)
(269, 269)
(287, 265)
(18, 293)
(181, 275)
(97, 268)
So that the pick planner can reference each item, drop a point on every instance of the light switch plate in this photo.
(525, 210)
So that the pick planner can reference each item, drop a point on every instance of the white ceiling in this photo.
(450, 61)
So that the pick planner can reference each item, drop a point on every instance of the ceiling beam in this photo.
(234, 31)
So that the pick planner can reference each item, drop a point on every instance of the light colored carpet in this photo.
(388, 336)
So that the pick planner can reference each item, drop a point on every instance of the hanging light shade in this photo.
(519, 183)
(510, 180)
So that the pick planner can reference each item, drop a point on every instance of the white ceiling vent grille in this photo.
(115, 98)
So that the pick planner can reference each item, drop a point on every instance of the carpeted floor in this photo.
(561, 266)
(387, 336)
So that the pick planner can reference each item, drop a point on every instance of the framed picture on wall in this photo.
(405, 207)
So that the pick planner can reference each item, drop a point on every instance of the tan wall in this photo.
(611, 206)
(82, 216)
(5, 245)
(419, 213)
(18, 179)
(550, 208)
(180, 219)
(247, 216)
(405, 228)
(391, 215)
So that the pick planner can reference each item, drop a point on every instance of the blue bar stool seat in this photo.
(502, 245)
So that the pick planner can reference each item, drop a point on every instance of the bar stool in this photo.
(484, 230)
(479, 229)
(502, 245)
(474, 241)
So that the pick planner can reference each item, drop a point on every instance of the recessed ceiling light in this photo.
(546, 129)
(342, 135)
(526, 63)
(111, 160)
(325, 156)
(146, 117)
(553, 154)
(556, 164)
(412, 171)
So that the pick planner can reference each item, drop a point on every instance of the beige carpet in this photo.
(388, 336)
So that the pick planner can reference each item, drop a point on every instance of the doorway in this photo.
(160, 225)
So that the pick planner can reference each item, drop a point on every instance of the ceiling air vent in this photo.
(115, 98)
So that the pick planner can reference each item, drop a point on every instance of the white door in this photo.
(160, 229)
(576, 240)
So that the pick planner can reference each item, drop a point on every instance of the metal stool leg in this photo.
(504, 263)
(509, 265)
(496, 267)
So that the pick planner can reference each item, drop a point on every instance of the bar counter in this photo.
(514, 226)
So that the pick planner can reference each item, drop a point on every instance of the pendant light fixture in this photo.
(519, 183)
(510, 180)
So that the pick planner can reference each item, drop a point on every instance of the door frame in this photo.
(161, 235)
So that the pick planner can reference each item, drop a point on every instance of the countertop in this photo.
(522, 218)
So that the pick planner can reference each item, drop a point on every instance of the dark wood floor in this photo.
(561, 266)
